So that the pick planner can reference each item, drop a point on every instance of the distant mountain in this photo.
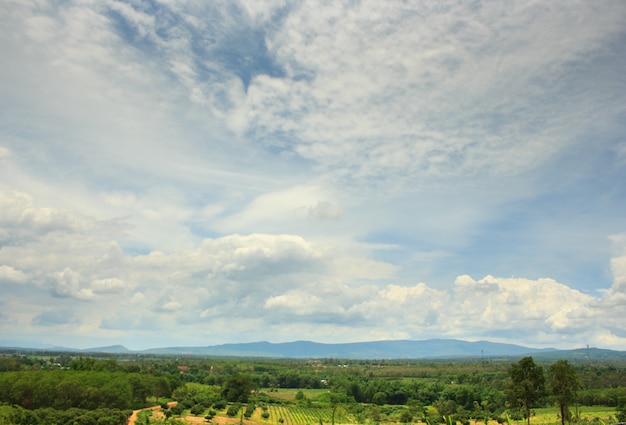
(583, 355)
(399, 349)
(113, 349)
(373, 350)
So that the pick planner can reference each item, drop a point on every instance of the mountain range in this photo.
(395, 349)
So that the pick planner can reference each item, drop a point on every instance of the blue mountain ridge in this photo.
(394, 349)
(372, 350)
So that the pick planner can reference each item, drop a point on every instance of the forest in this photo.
(65, 388)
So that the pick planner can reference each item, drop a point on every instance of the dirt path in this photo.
(133, 417)
(220, 420)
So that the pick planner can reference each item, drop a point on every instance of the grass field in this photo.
(550, 415)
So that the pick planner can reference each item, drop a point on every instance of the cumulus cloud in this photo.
(66, 283)
(516, 303)
(108, 286)
(10, 274)
(22, 221)
(171, 306)
(272, 280)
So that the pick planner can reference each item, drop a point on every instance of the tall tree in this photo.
(237, 388)
(528, 384)
(563, 381)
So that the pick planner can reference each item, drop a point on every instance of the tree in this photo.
(237, 388)
(564, 383)
(161, 387)
(527, 384)
(406, 417)
(621, 409)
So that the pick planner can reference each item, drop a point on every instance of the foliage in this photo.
(232, 410)
(63, 389)
(564, 384)
(621, 409)
(192, 394)
(237, 388)
(250, 408)
(527, 386)
(300, 392)
(17, 415)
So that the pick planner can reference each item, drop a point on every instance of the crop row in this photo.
(296, 415)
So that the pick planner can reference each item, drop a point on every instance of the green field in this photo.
(550, 415)
(296, 415)
(290, 393)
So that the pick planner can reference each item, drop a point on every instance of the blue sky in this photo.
(197, 173)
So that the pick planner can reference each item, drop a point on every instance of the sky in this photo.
(193, 173)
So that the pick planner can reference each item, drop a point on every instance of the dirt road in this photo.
(133, 417)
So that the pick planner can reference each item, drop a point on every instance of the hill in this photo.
(372, 350)
(399, 349)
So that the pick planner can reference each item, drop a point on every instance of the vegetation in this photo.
(564, 384)
(527, 385)
(62, 389)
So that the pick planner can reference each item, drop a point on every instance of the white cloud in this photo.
(302, 303)
(171, 306)
(325, 210)
(66, 283)
(20, 220)
(280, 209)
(513, 303)
(618, 265)
(377, 89)
(10, 274)
(108, 286)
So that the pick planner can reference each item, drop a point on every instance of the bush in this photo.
(210, 415)
(186, 403)
(220, 404)
(232, 410)
(249, 410)
(406, 417)
(197, 409)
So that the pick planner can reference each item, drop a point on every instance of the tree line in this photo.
(65, 389)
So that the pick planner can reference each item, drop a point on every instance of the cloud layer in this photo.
(197, 173)
(244, 287)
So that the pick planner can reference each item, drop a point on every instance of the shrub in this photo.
(232, 410)
(197, 409)
(220, 404)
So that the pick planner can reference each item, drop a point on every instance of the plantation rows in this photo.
(296, 415)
